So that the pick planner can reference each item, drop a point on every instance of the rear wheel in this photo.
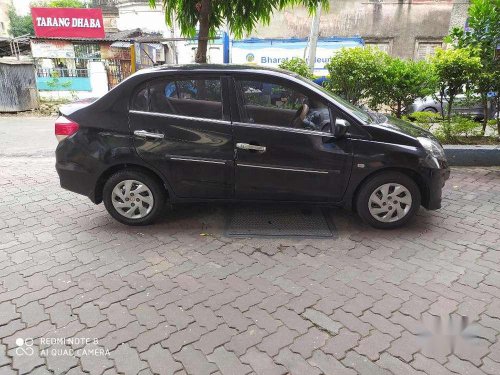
(388, 200)
(430, 109)
(133, 197)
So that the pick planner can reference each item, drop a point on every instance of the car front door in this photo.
(181, 127)
(284, 150)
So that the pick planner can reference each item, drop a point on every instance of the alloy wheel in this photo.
(390, 202)
(132, 199)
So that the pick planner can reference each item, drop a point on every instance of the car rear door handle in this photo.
(247, 146)
(146, 134)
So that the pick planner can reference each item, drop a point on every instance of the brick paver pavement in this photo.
(178, 297)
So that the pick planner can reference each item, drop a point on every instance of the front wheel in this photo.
(133, 197)
(388, 200)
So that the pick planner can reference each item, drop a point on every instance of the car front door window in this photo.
(276, 104)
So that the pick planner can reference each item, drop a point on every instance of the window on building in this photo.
(424, 50)
(193, 97)
(382, 46)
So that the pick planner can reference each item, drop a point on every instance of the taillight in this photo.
(64, 127)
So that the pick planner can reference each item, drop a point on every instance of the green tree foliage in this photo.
(241, 16)
(23, 25)
(455, 69)
(356, 74)
(483, 36)
(20, 25)
(402, 82)
(64, 4)
(297, 65)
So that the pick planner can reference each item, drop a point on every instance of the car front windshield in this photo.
(358, 112)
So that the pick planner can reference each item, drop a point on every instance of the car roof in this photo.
(215, 68)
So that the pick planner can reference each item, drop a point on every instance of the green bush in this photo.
(458, 126)
(403, 81)
(424, 120)
(356, 74)
(425, 117)
(297, 65)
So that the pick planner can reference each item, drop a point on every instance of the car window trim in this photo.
(181, 117)
(282, 128)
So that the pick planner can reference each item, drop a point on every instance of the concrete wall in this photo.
(400, 23)
(138, 14)
(98, 85)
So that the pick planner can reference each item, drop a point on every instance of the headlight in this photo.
(433, 148)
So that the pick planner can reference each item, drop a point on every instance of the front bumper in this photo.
(436, 178)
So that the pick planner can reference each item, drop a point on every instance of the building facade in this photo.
(405, 28)
(4, 18)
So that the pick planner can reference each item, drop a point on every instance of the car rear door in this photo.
(181, 127)
(275, 158)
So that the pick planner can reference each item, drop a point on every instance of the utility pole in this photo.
(313, 38)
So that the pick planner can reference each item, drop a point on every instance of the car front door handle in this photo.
(146, 134)
(247, 146)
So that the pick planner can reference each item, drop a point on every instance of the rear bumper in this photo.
(75, 178)
(435, 182)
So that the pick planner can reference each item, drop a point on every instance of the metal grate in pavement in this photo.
(279, 221)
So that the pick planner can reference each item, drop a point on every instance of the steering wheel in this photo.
(299, 116)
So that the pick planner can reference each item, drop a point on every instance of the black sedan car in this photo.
(239, 133)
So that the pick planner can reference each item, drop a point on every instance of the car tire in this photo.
(430, 109)
(134, 197)
(388, 200)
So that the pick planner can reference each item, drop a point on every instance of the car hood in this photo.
(404, 127)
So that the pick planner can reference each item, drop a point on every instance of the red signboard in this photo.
(68, 22)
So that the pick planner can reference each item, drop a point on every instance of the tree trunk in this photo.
(484, 102)
(398, 112)
(204, 19)
(497, 113)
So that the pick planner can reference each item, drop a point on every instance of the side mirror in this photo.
(341, 127)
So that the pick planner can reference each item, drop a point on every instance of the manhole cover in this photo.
(279, 221)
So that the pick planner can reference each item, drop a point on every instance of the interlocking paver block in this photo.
(275, 341)
(95, 364)
(194, 361)
(329, 365)
(405, 346)
(211, 340)
(67, 269)
(307, 343)
(292, 320)
(188, 335)
(322, 321)
(362, 364)
(234, 318)
(339, 344)
(240, 343)
(396, 366)
(373, 345)
(228, 363)
(261, 363)
(295, 363)
(263, 319)
(7, 312)
(127, 360)
(160, 361)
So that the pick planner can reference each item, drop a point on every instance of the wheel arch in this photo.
(422, 186)
(99, 186)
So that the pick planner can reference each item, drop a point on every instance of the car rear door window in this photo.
(199, 98)
(140, 101)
